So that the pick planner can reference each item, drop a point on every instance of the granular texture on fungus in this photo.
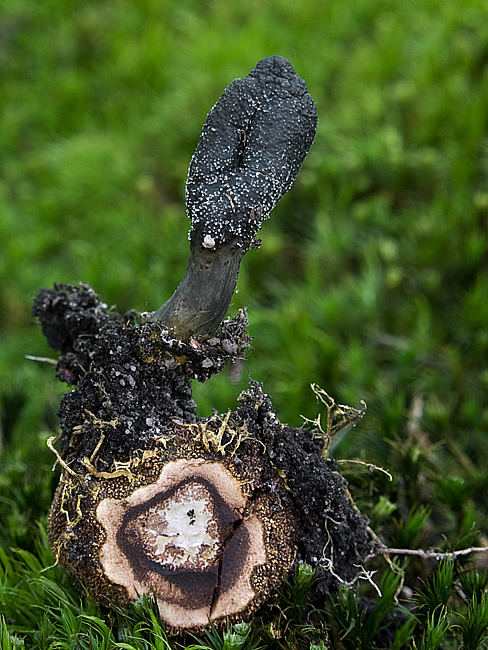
(252, 145)
(205, 514)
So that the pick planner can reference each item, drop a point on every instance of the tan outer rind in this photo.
(117, 568)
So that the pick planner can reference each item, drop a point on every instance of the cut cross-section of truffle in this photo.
(172, 537)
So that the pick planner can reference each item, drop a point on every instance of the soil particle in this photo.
(132, 378)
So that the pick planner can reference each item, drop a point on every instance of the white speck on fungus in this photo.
(208, 242)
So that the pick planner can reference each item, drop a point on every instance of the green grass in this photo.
(372, 280)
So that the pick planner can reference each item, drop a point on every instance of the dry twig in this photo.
(430, 554)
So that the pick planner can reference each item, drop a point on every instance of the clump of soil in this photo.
(204, 513)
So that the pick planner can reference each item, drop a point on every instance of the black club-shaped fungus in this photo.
(252, 145)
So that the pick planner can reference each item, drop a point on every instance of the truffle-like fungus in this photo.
(205, 514)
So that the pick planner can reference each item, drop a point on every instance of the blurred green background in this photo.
(372, 279)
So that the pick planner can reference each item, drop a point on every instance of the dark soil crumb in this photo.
(126, 370)
(331, 528)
